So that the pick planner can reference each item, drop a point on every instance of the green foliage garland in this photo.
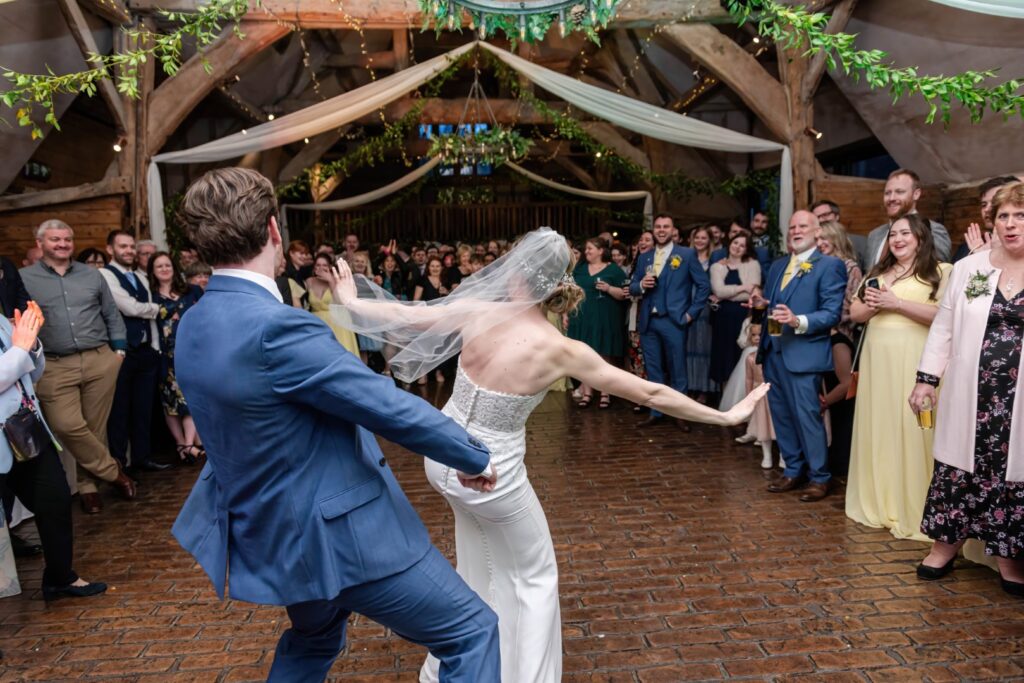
(31, 91)
(586, 17)
(795, 27)
(493, 146)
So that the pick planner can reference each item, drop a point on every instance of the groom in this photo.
(296, 500)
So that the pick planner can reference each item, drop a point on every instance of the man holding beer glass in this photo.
(805, 301)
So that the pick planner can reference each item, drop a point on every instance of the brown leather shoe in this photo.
(815, 491)
(783, 484)
(91, 503)
(124, 485)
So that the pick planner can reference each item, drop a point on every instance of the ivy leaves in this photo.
(794, 27)
(29, 92)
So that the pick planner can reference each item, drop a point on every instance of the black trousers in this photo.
(131, 415)
(42, 487)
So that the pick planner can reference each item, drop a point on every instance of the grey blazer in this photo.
(878, 236)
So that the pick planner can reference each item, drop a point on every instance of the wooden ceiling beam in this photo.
(636, 68)
(841, 14)
(378, 60)
(83, 36)
(176, 97)
(114, 11)
(310, 154)
(738, 69)
(392, 14)
(607, 135)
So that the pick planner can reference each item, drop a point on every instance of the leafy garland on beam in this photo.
(31, 91)
(493, 146)
(586, 17)
(792, 26)
(372, 150)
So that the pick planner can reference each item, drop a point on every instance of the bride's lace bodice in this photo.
(473, 406)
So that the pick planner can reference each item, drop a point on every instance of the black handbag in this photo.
(26, 434)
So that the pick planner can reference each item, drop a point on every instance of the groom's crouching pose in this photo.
(296, 501)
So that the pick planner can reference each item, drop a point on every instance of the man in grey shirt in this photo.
(84, 342)
(902, 190)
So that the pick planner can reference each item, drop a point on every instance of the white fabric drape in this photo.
(410, 178)
(304, 123)
(1014, 9)
(654, 122)
(591, 194)
(366, 197)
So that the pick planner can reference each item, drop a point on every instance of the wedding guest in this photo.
(902, 191)
(833, 241)
(144, 250)
(805, 299)
(732, 281)
(39, 482)
(494, 248)
(131, 414)
(360, 265)
(827, 211)
(489, 258)
(283, 282)
(835, 389)
(325, 248)
(977, 239)
(760, 426)
(198, 274)
(433, 285)
(759, 230)
(77, 390)
(734, 390)
(187, 256)
(415, 268)
(462, 267)
(634, 352)
(350, 245)
(390, 277)
(620, 257)
(298, 261)
(13, 295)
(448, 262)
(32, 254)
(699, 336)
(174, 296)
(318, 292)
(599, 320)
(717, 236)
(91, 256)
(890, 456)
(674, 290)
(977, 489)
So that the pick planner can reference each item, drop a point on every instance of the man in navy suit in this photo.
(296, 500)
(674, 289)
(805, 295)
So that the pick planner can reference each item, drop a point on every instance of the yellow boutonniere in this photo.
(675, 262)
(805, 268)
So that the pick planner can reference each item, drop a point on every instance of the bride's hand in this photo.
(343, 283)
(742, 411)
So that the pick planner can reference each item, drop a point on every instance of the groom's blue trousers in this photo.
(428, 604)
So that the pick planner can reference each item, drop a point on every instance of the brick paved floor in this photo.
(675, 565)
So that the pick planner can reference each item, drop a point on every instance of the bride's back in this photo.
(516, 356)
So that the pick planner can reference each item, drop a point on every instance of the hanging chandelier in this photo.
(519, 20)
(481, 141)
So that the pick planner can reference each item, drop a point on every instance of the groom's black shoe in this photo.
(927, 573)
(784, 484)
(650, 422)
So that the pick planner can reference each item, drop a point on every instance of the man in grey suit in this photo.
(827, 210)
(902, 190)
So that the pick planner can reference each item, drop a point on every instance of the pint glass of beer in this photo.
(926, 416)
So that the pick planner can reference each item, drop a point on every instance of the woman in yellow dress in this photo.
(890, 457)
(319, 292)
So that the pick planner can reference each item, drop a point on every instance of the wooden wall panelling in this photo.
(91, 219)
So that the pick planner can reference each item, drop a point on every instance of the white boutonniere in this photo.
(978, 285)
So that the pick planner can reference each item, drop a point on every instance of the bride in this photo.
(510, 355)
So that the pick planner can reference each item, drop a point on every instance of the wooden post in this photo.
(792, 68)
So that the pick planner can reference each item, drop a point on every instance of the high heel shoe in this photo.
(926, 573)
(185, 453)
(51, 593)
(1014, 588)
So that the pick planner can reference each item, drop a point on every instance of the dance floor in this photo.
(675, 565)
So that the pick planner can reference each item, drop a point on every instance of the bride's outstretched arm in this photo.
(583, 363)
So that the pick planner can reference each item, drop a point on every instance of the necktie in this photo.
(659, 261)
(132, 279)
(790, 269)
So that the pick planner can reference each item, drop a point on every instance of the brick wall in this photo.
(92, 219)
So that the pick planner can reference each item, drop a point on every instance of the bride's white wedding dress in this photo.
(502, 543)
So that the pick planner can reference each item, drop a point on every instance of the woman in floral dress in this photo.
(175, 297)
(977, 489)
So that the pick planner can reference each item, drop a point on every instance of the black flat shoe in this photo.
(926, 573)
(51, 593)
(1012, 587)
(23, 548)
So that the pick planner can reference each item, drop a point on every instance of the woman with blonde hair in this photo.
(834, 241)
(510, 355)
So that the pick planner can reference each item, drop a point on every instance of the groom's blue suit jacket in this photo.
(297, 502)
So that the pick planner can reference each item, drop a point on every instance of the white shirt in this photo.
(252, 276)
(128, 305)
(801, 328)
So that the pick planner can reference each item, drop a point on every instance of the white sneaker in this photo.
(746, 438)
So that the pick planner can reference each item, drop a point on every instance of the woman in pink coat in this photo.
(977, 489)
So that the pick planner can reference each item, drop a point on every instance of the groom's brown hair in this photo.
(226, 214)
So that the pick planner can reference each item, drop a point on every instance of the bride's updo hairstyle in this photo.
(568, 295)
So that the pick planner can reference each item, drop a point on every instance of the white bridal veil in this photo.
(427, 333)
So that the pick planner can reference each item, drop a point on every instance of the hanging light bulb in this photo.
(483, 26)
(306, 140)
(522, 27)
(117, 147)
(245, 132)
(270, 117)
(451, 22)
(561, 22)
